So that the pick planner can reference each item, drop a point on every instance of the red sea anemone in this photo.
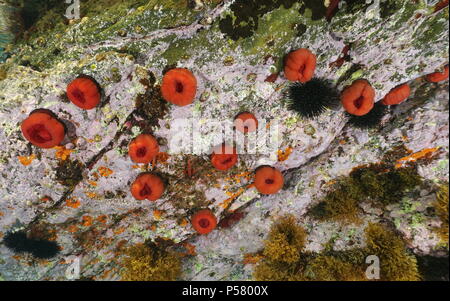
(246, 122)
(179, 86)
(84, 92)
(438, 76)
(143, 148)
(268, 180)
(300, 65)
(204, 221)
(224, 157)
(43, 129)
(358, 98)
(147, 186)
(397, 95)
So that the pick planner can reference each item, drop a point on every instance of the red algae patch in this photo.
(246, 122)
(143, 148)
(438, 76)
(300, 65)
(204, 221)
(84, 93)
(397, 95)
(224, 157)
(179, 86)
(358, 98)
(268, 180)
(147, 186)
(42, 129)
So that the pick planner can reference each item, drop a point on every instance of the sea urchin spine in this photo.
(312, 98)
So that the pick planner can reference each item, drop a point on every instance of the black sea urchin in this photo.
(371, 119)
(312, 98)
(18, 242)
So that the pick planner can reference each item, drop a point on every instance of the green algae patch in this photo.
(380, 184)
(150, 262)
(243, 19)
(276, 29)
(54, 39)
(69, 173)
(286, 241)
(396, 262)
(441, 209)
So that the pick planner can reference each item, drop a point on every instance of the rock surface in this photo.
(80, 192)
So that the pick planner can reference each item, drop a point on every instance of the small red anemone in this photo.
(147, 186)
(358, 98)
(246, 122)
(268, 180)
(143, 148)
(84, 93)
(179, 86)
(224, 157)
(300, 65)
(43, 129)
(438, 76)
(397, 95)
(204, 221)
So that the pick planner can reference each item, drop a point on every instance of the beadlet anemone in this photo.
(246, 122)
(300, 65)
(397, 95)
(143, 148)
(179, 86)
(268, 180)
(358, 98)
(43, 129)
(147, 186)
(312, 98)
(224, 157)
(438, 76)
(204, 221)
(84, 92)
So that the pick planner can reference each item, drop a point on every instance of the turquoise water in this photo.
(9, 26)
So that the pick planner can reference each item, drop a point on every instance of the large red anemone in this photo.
(204, 221)
(300, 65)
(438, 76)
(358, 98)
(147, 186)
(268, 180)
(224, 157)
(43, 129)
(397, 95)
(143, 148)
(179, 86)
(246, 122)
(84, 93)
